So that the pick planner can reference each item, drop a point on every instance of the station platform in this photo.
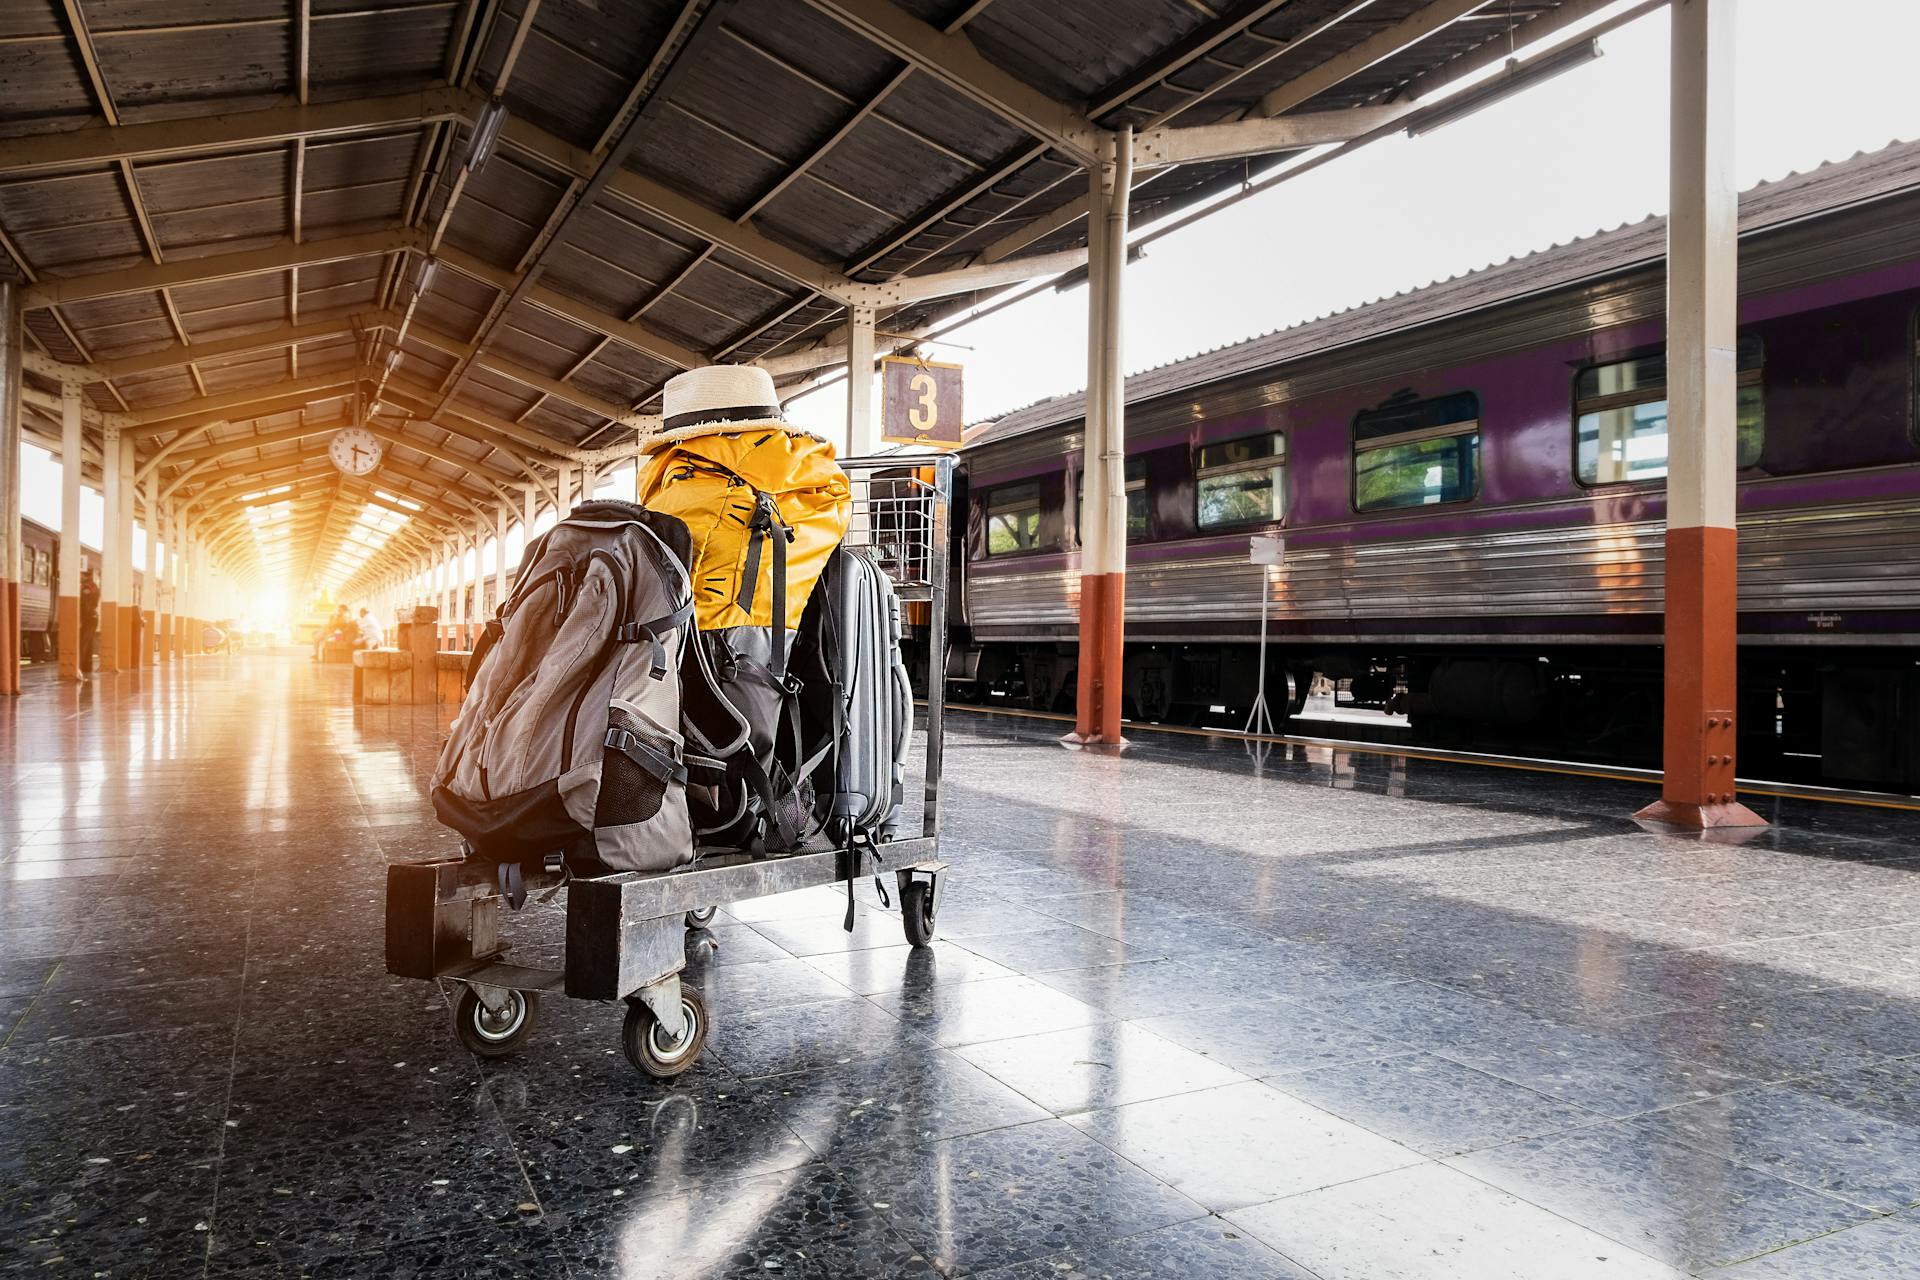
(1205, 1009)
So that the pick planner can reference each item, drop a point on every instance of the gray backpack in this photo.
(568, 747)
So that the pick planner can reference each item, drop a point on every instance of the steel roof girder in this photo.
(1377, 47)
(149, 422)
(983, 275)
(108, 143)
(54, 291)
(953, 60)
(1259, 135)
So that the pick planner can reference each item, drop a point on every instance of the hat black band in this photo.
(736, 413)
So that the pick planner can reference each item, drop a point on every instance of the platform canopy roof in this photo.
(490, 230)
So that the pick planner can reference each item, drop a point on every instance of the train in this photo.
(1465, 485)
(39, 567)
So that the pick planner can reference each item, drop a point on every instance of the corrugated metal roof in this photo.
(777, 117)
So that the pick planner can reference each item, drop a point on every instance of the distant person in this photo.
(371, 636)
(89, 621)
(339, 630)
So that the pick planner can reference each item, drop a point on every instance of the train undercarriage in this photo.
(1847, 717)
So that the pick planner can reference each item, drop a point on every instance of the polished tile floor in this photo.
(1201, 1011)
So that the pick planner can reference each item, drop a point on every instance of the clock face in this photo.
(355, 451)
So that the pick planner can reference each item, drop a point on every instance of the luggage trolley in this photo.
(626, 932)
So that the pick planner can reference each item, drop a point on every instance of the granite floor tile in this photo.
(1242, 1144)
(995, 1009)
(1882, 1249)
(914, 1095)
(1683, 1205)
(1865, 1159)
(806, 1222)
(880, 969)
(1104, 1064)
(112, 1217)
(795, 1037)
(1436, 1107)
(1430, 1221)
(1202, 1247)
(992, 1199)
(1265, 1038)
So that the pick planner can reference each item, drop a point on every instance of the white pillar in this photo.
(1103, 507)
(1702, 621)
(72, 455)
(863, 428)
(12, 388)
(150, 594)
(499, 557)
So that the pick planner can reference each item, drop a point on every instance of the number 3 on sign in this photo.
(924, 415)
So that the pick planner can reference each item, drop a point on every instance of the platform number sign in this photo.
(920, 402)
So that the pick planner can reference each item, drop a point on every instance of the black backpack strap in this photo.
(650, 632)
(653, 761)
(762, 786)
(489, 637)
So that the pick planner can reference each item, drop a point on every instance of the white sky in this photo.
(1816, 80)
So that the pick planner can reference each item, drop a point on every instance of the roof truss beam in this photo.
(111, 143)
(952, 59)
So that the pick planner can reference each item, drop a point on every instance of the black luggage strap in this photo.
(756, 777)
(767, 525)
(647, 757)
(489, 637)
(649, 631)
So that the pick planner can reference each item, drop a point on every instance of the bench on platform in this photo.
(386, 677)
(382, 676)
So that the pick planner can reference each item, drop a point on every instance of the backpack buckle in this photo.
(792, 684)
(619, 739)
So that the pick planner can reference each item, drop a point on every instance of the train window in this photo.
(1013, 518)
(1414, 453)
(1620, 417)
(1139, 506)
(1241, 481)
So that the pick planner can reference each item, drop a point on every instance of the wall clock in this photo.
(355, 451)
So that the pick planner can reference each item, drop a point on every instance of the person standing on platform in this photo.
(89, 621)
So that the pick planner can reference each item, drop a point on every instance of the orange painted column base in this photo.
(1702, 683)
(1097, 700)
(10, 650)
(109, 655)
(144, 650)
(163, 637)
(66, 617)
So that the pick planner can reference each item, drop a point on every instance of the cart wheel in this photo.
(648, 1047)
(703, 918)
(916, 909)
(490, 1034)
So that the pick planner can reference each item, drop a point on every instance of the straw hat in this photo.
(718, 393)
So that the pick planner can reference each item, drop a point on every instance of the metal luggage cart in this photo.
(626, 932)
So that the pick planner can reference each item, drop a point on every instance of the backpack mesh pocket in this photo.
(628, 792)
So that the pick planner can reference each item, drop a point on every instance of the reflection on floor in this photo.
(1194, 1012)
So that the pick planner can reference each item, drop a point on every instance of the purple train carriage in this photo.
(1467, 482)
(39, 567)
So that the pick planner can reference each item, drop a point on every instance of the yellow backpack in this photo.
(766, 505)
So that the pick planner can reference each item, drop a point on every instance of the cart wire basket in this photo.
(626, 933)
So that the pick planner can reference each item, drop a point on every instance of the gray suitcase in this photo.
(876, 699)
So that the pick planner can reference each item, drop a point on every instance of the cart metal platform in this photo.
(625, 933)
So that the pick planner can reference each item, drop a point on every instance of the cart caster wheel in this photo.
(650, 1050)
(916, 910)
(490, 1034)
(703, 918)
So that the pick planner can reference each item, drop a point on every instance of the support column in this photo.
(163, 628)
(563, 490)
(129, 610)
(1103, 515)
(72, 455)
(863, 429)
(150, 590)
(113, 563)
(461, 609)
(499, 557)
(1702, 621)
(12, 387)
